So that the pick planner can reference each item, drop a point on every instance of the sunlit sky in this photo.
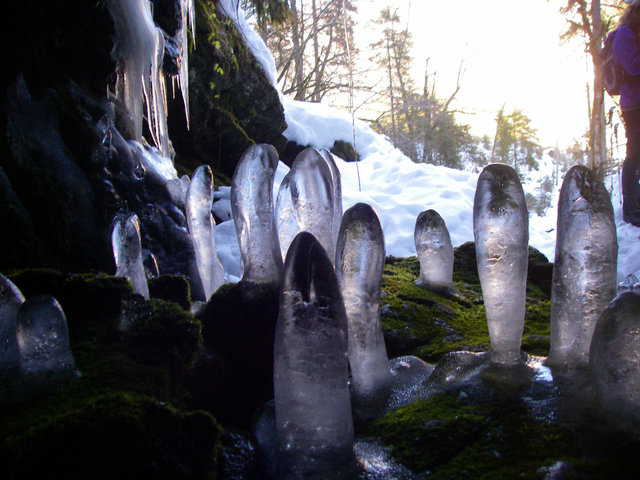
(512, 56)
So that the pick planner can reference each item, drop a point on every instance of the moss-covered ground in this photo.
(164, 398)
(483, 431)
(126, 415)
(428, 324)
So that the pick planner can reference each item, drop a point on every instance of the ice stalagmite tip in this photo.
(501, 232)
(314, 426)
(584, 272)
(435, 252)
(202, 229)
(252, 210)
(307, 201)
(360, 261)
(127, 251)
(337, 193)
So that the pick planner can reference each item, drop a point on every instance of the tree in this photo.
(516, 143)
(591, 21)
(310, 48)
(419, 124)
(392, 54)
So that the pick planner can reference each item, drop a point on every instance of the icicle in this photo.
(138, 50)
(187, 13)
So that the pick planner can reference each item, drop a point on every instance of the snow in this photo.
(399, 189)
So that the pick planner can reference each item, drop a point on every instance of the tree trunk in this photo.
(598, 158)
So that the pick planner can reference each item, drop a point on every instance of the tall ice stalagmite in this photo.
(337, 193)
(127, 251)
(501, 232)
(360, 260)
(202, 229)
(253, 215)
(310, 184)
(584, 272)
(314, 426)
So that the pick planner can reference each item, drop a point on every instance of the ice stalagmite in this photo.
(314, 426)
(43, 341)
(435, 252)
(337, 193)
(10, 299)
(501, 232)
(312, 196)
(584, 273)
(286, 220)
(360, 260)
(202, 229)
(252, 210)
(127, 251)
(614, 359)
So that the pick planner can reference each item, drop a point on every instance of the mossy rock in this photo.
(173, 288)
(170, 338)
(92, 302)
(114, 436)
(238, 328)
(345, 151)
(453, 437)
(232, 102)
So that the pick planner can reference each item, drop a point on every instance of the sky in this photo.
(511, 54)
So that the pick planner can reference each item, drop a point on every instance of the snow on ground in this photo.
(399, 189)
(393, 185)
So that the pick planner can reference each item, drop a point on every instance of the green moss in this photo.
(120, 435)
(91, 301)
(454, 439)
(170, 338)
(126, 415)
(425, 323)
(173, 288)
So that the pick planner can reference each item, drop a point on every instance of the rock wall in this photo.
(63, 175)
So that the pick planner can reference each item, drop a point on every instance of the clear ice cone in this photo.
(614, 360)
(312, 197)
(584, 273)
(360, 261)
(10, 299)
(312, 405)
(253, 214)
(202, 229)
(434, 251)
(127, 251)
(501, 232)
(43, 340)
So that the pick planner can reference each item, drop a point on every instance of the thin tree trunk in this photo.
(598, 133)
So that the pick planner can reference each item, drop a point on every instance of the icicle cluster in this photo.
(139, 51)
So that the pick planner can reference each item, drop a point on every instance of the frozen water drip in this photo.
(501, 232)
(314, 426)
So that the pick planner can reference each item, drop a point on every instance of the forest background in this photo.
(497, 81)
